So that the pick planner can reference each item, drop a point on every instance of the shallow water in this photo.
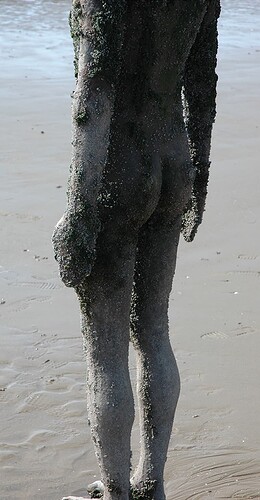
(239, 24)
(46, 451)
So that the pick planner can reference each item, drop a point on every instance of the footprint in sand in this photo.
(14, 279)
(235, 332)
(243, 330)
(42, 285)
(246, 272)
(21, 305)
(254, 274)
(247, 257)
(214, 335)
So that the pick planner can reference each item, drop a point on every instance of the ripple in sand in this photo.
(7, 454)
(226, 474)
(48, 400)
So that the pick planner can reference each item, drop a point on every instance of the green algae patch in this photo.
(104, 35)
(82, 117)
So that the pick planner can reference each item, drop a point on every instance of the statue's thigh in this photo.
(158, 239)
(154, 270)
(108, 288)
(177, 181)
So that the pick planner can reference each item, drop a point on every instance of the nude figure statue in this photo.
(143, 110)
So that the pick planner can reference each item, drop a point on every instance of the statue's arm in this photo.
(200, 82)
(97, 31)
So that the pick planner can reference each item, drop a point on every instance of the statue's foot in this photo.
(143, 490)
(147, 490)
(96, 489)
(140, 491)
(74, 248)
(75, 498)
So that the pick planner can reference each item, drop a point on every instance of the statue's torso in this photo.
(148, 129)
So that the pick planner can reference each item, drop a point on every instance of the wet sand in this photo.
(46, 451)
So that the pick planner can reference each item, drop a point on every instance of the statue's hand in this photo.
(193, 214)
(74, 248)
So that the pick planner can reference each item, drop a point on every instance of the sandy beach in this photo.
(46, 450)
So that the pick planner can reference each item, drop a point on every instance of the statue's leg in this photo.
(105, 300)
(158, 381)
